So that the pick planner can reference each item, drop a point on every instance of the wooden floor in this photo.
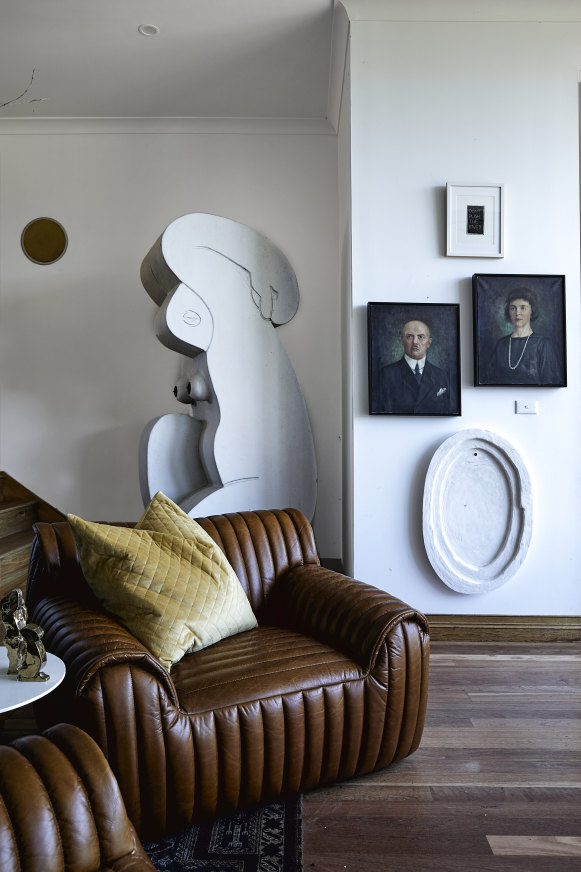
(494, 787)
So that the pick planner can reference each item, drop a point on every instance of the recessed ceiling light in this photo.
(148, 29)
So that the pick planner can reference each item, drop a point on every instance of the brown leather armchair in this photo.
(60, 808)
(333, 682)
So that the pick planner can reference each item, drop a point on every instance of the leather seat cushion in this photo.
(261, 663)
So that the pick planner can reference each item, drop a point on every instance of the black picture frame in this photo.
(501, 358)
(393, 390)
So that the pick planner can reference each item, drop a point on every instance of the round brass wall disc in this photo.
(44, 240)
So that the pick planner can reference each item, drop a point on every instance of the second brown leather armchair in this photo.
(331, 684)
(61, 810)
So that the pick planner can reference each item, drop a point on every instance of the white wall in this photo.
(81, 370)
(343, 122)
(471, 102)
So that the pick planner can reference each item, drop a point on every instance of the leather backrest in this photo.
(260, 546)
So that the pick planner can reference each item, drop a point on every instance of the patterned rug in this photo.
(264, 839)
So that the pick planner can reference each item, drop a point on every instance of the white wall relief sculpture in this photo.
(477, 511)
(244, 441)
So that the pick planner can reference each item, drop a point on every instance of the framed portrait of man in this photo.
(414, 358)
(519, 330)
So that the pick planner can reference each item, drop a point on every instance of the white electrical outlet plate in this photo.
(526, 407)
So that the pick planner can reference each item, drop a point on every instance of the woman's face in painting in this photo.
(520, 313)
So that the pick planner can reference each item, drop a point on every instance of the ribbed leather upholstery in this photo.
(61, 810)
(333, 683)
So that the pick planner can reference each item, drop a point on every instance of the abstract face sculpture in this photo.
(244, 441)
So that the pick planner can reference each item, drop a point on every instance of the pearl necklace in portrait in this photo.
(510, 366)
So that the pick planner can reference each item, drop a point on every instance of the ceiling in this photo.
(210, 59)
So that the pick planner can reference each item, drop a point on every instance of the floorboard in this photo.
(494, 787)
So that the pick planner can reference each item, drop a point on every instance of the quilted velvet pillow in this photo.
(165, 579)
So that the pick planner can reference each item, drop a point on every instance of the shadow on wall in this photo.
(415, 520)
(73, 383)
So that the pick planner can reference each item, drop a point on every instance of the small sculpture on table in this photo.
(23, 641)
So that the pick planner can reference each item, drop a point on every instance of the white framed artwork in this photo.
(475, 220)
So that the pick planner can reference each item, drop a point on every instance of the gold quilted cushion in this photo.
(165, 579)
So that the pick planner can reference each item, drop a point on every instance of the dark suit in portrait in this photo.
(401, 393)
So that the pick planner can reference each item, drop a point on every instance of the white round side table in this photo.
(14, 693)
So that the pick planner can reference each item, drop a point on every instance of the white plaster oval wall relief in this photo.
(244, 440)
(477, 511)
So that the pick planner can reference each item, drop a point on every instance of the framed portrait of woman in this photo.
(519, 330)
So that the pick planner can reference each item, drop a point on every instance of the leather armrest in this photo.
(346, 614)
(89, 639)
(76, 628)
(61, 808)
